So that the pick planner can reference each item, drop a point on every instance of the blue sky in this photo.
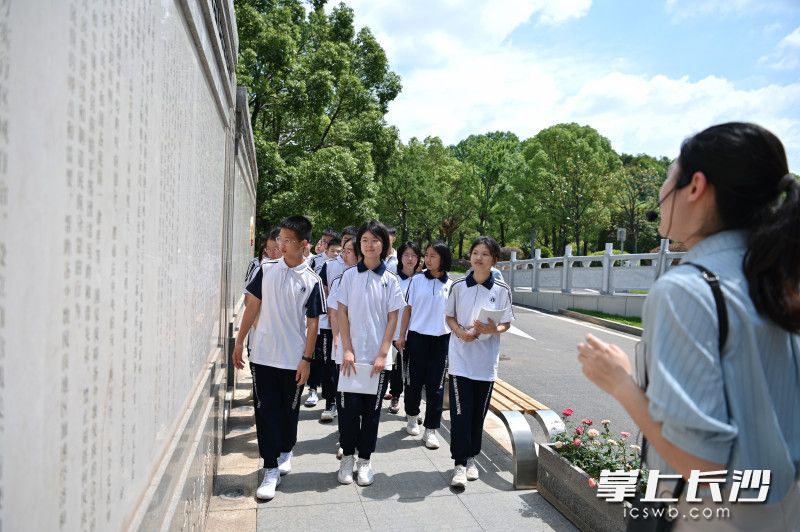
(644, 73)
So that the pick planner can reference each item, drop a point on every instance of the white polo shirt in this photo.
(427, 296)
(288, 296)
(370, 295)
(404, 281)
(391, 261)
(333, 305)
(318, 261)
(476, 360)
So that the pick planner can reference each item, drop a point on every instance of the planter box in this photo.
(567, 488)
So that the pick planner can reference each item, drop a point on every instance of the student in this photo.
(268, 252)
(410, 258)
(425, 337)
(255, 264)
(369, 299)
(318, 260)
(322, 364)
(273, 248)
(473, 361)
(287, 297)
(350, 259)
(391, 257)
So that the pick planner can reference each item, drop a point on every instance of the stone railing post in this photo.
(566, 278)
(608, 262)
(663, 248)
(513, 268)
(537, 257)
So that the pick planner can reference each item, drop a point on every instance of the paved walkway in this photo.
(411, 489)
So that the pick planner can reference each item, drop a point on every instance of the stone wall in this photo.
(126, 193)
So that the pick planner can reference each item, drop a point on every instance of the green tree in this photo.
(638, 180)
(571, 169)
(489, 159)
(319, 91)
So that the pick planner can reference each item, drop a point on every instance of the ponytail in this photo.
(772, 261)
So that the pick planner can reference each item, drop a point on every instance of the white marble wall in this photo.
(115, 118)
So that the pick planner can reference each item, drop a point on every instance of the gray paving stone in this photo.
(411, 479)
(514, 510)
(348, 517)
(439, 513)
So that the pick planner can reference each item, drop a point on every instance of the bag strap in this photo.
(722, 316)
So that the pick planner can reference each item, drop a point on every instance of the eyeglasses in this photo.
(287, 241)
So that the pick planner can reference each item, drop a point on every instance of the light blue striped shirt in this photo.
(761, 366)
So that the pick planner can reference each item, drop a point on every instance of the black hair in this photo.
(328, 231)
(274, 234)
(754, 191)
(355, 248)
(263, 251)
(377, 229)
(335, 241)
(445, 255)
(350, 230)
(392, 230)
(299, 225)
(489, 242)
(403, 248)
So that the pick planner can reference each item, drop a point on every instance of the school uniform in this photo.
(473, 365)
(427, 344)
(391, 261)
(369, 295)
(288, 296)
(323, 369)
(399, 373)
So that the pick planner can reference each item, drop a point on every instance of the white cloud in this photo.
(786, 55)
(461, 75)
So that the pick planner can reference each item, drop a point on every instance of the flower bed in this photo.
(570, 466)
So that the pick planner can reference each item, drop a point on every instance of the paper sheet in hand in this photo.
(360, 381)
(487, 314)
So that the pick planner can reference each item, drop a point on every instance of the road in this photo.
(540, 359)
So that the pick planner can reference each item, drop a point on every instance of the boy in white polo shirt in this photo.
(288, 298)
(369, 299)
(473, 361)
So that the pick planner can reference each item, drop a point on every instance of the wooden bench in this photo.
(511, 405)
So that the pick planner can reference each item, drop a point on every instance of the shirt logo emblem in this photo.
(385, 284)
(302, 289)
(491, 300)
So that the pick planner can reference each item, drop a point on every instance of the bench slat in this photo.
(521, 400)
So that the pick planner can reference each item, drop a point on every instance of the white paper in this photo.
(490, 314)
(359, 381)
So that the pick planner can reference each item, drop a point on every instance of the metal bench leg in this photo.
(524, 449)
(550, 422)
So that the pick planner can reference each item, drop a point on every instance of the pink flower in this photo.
(567, 412)
(579, 430)
(592, 483)
(577, 442)
(625, 435)
(587, 422)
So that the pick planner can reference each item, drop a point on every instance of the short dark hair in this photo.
(274, 234)
(335, 241)
(377, 229)
(445, 255)
(489, 242)
(403, 248)
(328, 231)
(350, 230)
(299, 225)
(392, 230)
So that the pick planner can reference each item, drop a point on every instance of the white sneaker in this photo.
(472, 469)
(365, 475)
(339, 452)
(346, 469)
(411, 425)
(272, 477)
(459, 477)
(312, 398)
(285, 463)
(430, 439)
(328, 414)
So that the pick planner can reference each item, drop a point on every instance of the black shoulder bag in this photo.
(663, 522)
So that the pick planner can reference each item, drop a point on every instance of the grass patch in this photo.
(625, 320)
